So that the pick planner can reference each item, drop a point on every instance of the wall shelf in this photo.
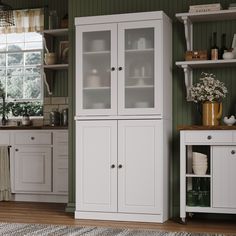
(188, 19)
(206, 63)
(56, 32)
(56, 67)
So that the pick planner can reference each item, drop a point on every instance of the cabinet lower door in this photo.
(60, 169)
(224, 176)
(140, 166)
(32, 169)
(96, 170)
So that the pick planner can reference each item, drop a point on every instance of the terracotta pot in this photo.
(211, 113)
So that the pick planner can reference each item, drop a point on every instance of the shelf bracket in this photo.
(188, 30)
(188, 79)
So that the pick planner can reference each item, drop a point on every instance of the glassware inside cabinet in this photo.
(139, 64)
(198, 191)
(96, 75)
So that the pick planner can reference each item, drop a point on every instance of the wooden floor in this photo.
(51, 213)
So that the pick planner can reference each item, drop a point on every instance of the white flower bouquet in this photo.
(208, 89)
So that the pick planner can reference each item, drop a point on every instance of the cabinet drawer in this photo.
(33, 138)
(60, 137)
(208, 137)
(234, 136)
(4, 138)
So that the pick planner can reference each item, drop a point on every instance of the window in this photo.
(20, 66)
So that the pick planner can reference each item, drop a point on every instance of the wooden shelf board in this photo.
(198, 176)
(56, 32)
(207, 63)
(56, 67)
(208, 16)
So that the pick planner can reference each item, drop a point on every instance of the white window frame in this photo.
(40, 66)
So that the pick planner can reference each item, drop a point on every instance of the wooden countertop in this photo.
(200, 127)
(21, 127)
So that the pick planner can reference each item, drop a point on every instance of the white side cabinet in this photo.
(215, 191)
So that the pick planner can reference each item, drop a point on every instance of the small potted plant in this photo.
(210, 93)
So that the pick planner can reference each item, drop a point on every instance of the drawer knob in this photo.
(120, 68)
(120, 166)
(233, 152)
(16, 149)
(209, 137)
(32, 138)
(113, 166)
(113, 68)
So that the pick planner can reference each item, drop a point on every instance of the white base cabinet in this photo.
(38, 164)
(33, 169)
(119, 170)
(218, 193)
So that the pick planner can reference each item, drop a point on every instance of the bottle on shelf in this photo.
(223, 47)
(53, 20)
(214, 48)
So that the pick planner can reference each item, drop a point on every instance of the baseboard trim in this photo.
(40, 198)
(70, 207)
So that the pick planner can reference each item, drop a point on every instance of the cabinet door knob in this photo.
(120, 166)
(113, 166)
(16, 149)
(113, 68)
(32, 138)
(209, 137)
(120, 68)
(233, 152)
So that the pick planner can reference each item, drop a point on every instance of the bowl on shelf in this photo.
(98, 45)
(200, 169)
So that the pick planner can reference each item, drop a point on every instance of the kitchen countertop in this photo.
(200, 127)
(30, 127)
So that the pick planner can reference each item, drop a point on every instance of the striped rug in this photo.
(12, 229)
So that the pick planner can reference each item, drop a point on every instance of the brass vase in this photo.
(211, 113)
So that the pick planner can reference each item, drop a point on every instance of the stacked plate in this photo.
(199, 163)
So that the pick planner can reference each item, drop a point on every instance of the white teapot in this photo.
(229, 121)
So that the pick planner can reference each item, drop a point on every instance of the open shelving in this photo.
(188, 19)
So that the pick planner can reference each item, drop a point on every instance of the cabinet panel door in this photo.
(140, 62)
(60, 162)
(139, 179)
(96, 178)
(32, 169)
(60, 168)
(224, 176)
(96, 74)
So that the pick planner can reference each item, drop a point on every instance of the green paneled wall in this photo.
(183, 112)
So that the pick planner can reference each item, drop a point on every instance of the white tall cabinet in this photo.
(123, 116)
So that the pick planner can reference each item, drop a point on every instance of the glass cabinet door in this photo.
(96, 75)
(139, 68)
